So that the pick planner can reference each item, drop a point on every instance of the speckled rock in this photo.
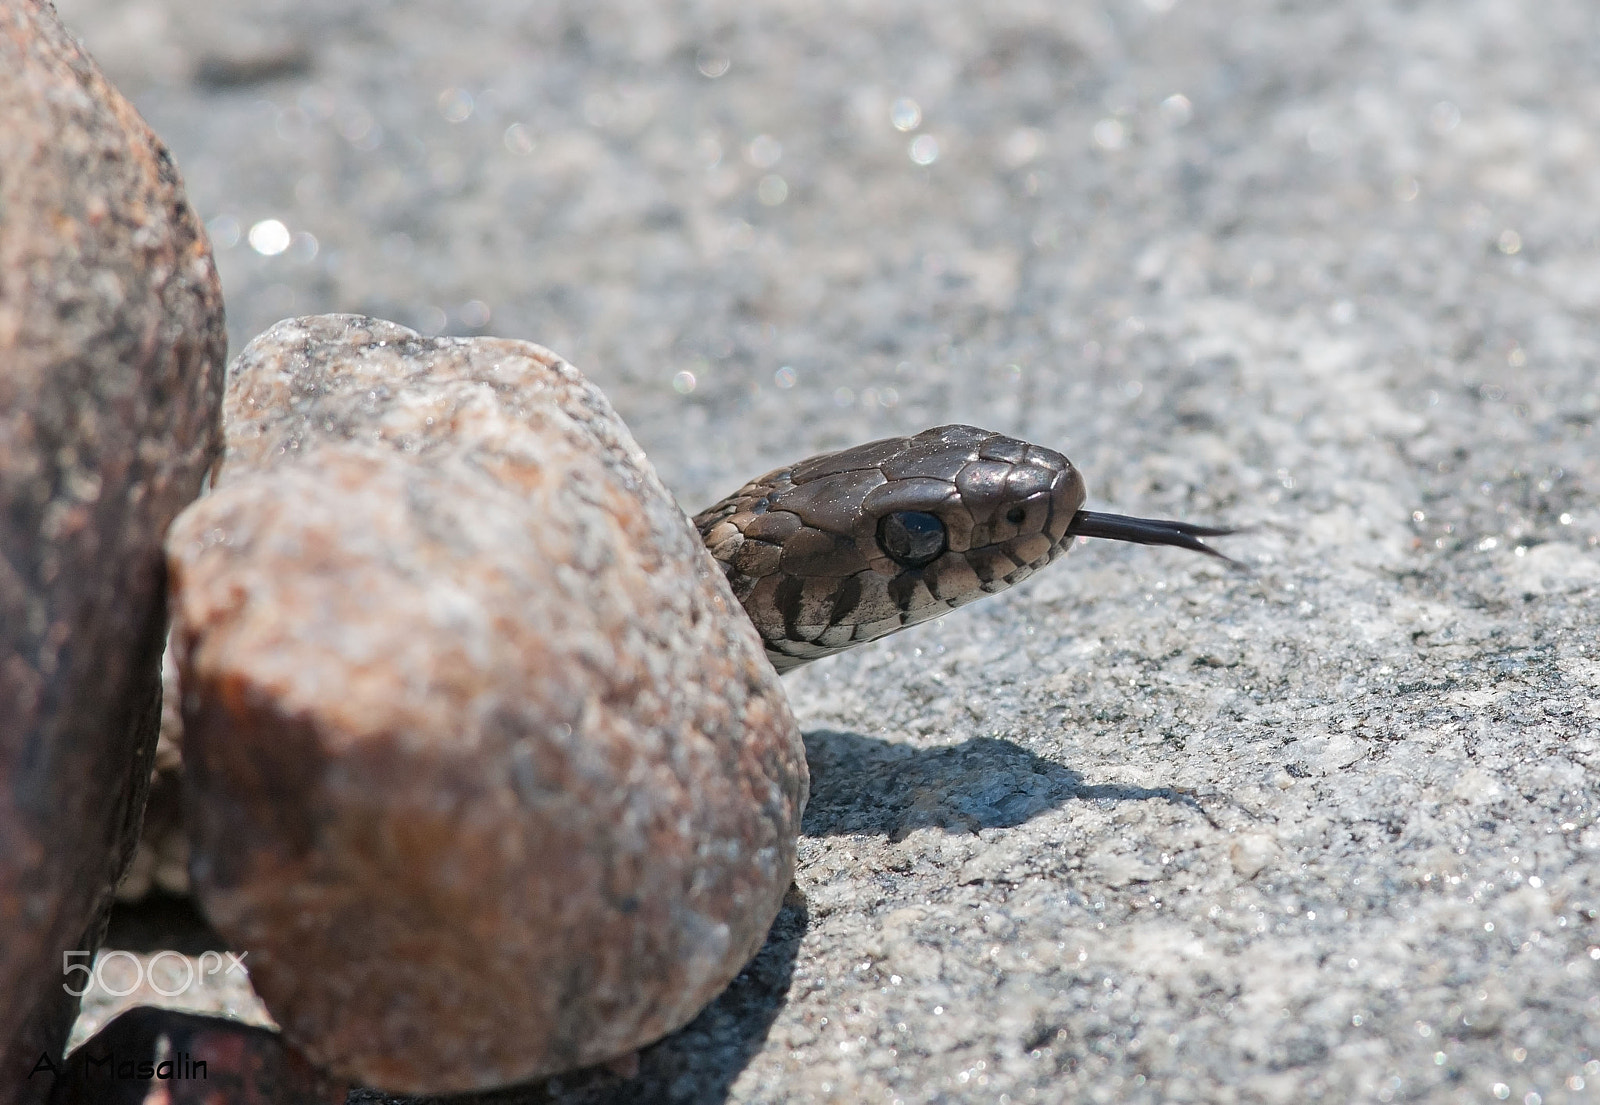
(487, 770)
(111, 355)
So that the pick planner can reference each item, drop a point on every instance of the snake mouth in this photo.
(1004, 524)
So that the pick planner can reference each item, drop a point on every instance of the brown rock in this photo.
(161, 861)
(487, 770)
(111, 353)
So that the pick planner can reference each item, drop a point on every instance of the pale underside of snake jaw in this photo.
(851, 546)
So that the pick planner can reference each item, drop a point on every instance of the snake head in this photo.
(851, 546)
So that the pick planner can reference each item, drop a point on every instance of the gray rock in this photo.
(486, 771)
(111, 356)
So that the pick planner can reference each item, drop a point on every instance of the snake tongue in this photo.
(1149, 531)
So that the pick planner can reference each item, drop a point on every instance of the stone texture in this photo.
(485, 769)
(160, 863)
(1289, 297)
(111, 356)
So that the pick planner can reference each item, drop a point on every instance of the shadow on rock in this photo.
(697, 1064)
(865, 785)
(858, 785)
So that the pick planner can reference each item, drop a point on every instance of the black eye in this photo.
(1017, 515)
(911, 537)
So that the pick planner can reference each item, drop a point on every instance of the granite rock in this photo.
(486, 769)
(111, 357)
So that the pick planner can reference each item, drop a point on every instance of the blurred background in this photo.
(826, 222)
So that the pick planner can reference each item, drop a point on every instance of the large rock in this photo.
(487, 770)
(111, 355)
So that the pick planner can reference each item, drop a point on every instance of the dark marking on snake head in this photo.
(789, 599)
(845, 600)
(905, 591)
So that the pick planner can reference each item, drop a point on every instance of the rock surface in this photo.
(485, 770)
(1331, 268)
(111, 356)
(160, 863)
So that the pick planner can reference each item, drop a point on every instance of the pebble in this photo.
(486, 769)
(111, 357)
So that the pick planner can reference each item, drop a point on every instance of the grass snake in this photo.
(847, 547)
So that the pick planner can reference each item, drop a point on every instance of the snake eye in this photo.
(1017, 515)
(912, 538)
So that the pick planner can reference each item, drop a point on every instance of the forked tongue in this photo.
(1149, 531)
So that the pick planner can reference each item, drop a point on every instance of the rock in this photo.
(1253, 853)
(1554, 568)
(161, 861)
(111, 355)
(486, 768)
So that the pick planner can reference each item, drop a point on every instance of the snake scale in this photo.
(848, 547)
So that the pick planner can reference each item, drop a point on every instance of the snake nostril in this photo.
(1017, 515)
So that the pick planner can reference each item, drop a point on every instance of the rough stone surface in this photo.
(486, 771)
(111, 355)
(1347, 288)
(160, 863)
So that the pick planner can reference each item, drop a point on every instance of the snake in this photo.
(850, 546)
